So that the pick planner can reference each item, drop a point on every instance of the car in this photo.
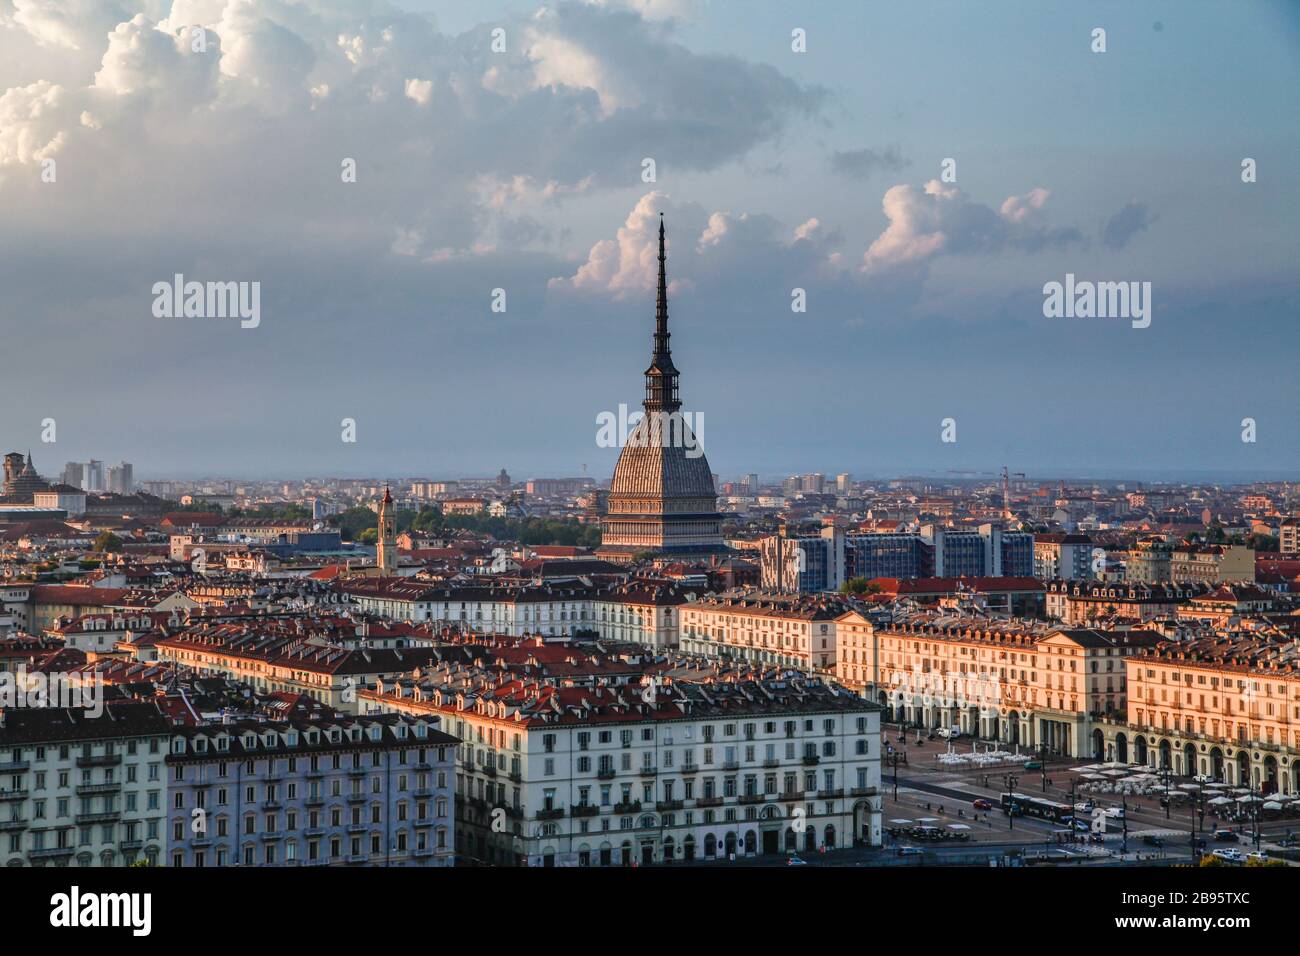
(909, 851)
(1257, 856)
(1225, 836)
(981, 804)
(1116, 813)
(1034, 765)
(796, 861)
(1229, 855)
(1084, 807)
(1153, 841)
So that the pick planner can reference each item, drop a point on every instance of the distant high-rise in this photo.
(94, 476)
(843, 483)
(121, 478)
(662, 499)
(74, 473)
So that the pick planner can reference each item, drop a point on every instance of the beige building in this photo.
(1022, 683)
(764, 627)
(1226, 706)
(1216, 563)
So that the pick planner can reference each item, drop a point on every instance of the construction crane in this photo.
(1006, 492)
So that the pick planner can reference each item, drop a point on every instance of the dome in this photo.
(662, 460)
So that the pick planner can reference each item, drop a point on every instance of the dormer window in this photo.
(250, 742)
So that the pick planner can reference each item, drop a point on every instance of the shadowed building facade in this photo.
(662, 499)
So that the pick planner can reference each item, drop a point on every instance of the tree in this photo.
(108, 542)
(860, 586)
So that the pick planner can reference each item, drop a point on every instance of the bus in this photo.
(1022, 805)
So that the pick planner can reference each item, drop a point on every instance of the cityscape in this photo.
(988, 556)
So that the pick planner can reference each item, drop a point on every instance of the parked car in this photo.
(1225, 836)
(1257, 856)
(796, 861)
(909, 851)
(1034, 765)
(981, 804)
(1229, 855)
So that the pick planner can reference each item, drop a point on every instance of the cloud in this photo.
(1125, 224)
(863, 163)
(941, 219)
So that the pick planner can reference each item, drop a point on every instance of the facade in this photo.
(1063, 556)
(1082, 602)
(764, 627)
(1019, 682)
(646, 612)
(272, 661)
(662, 498)
(683, 766)
(1216, 563)
(1226, 706)
(82, 790)
(363, 791)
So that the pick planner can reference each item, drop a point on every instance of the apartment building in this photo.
(361, 791)
(1067, 556)
(1024, 683)
(1083, 602)
(273, 657)
(1215, 563)
(1226, 705)
(689, 761)
(646, 612)
(764, 627)
(83, 790)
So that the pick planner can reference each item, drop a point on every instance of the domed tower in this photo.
(662, 498)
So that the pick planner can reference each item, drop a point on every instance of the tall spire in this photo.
(661, 376)
(661, 300)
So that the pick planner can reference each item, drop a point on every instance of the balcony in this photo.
(356, 771)
(14, 766)
(356, 798)
(628, 806)
(830, 794)
(648, 771)
(272, 835)
(358, 827)
(690, 768)
(709, 802)
(771, 764)
(10, 826)
(105, 816)
(50, 853)
(731, 765)
(792, 795)
(554, 813)
(271, 805)
(667, 806)
(811, 760)
(102, 760)
(751, 798)
(6, 795)
(489, 769)
(516, 776)
(315, 800)
(605, 773)
(863, 792)
(584, 810)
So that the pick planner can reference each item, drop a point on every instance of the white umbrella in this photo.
(958, 826)
(1248, 798)
(1272, 805)
(1219, 800)
(900, 821)
(1189, 786)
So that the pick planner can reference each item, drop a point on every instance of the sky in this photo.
(920, 170)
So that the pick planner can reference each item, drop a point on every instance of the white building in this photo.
(702, 763)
